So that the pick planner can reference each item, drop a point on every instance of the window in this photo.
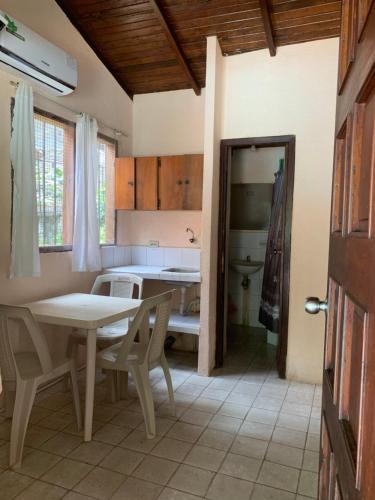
(54, 155)
(106, 190)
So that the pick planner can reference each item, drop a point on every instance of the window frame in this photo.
(115, 143)
(52, 116)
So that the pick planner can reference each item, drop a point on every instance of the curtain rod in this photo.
(117, 133)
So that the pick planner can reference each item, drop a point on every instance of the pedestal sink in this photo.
(246, 268)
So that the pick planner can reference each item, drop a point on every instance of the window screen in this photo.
(106, 190)
(54, 155)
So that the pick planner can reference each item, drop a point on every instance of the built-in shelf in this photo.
(178, 323)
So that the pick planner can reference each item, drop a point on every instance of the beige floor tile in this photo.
(264, 403)
(312, 442)
(279, 476)
(190, 389)
(62, 444)
(294, 422)
(72, 428)
(36, 436)
(284, 455)
(218, 394)
(156, 470)
(225, 424)
(42, 491)
(227, 487)
(57, 421)
(171, 449)
(308, 484)
(127, 419)
(67, 473)
(37, 463)
(56, 401)
(136, 489)
(185, 432)
(256, 430)
(73, 495)
(233, 410)
(205, 458)
(216, 439)
(11, 484)
(266, 493)
(191, 480)
(138, 441)
(111, 434)
(171, 494)
(241, 467)
(38, 413)
(199, 380)
(162, 426)
(122, 460)
(310, 461)
(314, 426)
(206, 404)
(262, 416)
(244, 387)
(92, 452)
(196, 417)
(105, 413)
(249, 447)
(289, 437)
(165, 410)
(299, 409)
(240, 399)
(100, 483)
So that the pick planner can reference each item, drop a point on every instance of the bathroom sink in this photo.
(180, 270)
(246, 267)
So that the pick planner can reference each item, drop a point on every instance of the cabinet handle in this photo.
(187, 181)
(130, 183)
(179, 183)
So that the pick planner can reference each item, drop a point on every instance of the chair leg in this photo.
(71, 352)
(168, 379)
(122, 385)
(25, 395)
(142, 383)
(111, 386)
(75, 392)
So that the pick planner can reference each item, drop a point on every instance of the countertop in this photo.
(156, 273)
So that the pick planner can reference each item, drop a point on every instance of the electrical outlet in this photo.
(153, 243)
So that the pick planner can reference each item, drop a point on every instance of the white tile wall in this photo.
(242, 244)
(150, 256)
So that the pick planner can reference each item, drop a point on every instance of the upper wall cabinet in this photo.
(164, 183)
(181, 182)
(125, 183)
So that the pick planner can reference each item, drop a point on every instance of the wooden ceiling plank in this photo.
(266, 16)
(176, 47)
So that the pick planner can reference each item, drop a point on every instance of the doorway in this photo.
(245, 214)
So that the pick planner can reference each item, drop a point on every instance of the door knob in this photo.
(313, 305)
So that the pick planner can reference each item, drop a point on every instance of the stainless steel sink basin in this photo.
(246, 267)
(187, 270)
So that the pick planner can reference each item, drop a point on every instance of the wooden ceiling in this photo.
(157, 45)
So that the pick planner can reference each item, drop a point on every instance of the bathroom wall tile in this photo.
(172, 257)
(155, 256)
(139, 255)
(108, 256)
(191, 257)
(128, 255)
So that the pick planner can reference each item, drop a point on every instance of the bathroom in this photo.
(252, 256)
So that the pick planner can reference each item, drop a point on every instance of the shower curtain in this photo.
(269, 311)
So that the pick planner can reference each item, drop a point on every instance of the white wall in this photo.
(294, 93)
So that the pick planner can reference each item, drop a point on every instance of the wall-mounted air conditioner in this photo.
(27, 54)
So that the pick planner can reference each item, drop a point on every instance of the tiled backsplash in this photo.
(150, 256)
(241, 245)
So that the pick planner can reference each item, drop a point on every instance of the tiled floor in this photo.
(242, 434)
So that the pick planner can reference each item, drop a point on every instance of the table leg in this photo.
(90, 382)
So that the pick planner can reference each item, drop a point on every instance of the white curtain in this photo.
(86, 249)
(25, 260)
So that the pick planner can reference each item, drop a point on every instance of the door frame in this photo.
(226, 148)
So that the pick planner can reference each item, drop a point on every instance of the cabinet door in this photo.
(146, 172)
(193, 182)
(180, 182)
(125, 183)
(171, 187)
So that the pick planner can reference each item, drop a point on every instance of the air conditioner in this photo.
(27, 54)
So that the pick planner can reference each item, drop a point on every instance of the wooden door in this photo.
(181, 182)
(146, 172)
(125, 183)
(347, 469)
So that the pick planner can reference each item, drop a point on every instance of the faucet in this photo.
(193, 239)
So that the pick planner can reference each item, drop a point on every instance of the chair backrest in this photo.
(121, 284)
(162, 305)
(12, 317)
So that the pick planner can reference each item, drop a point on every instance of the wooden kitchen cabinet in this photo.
(125, 183)
(181, 182)
(146, 190)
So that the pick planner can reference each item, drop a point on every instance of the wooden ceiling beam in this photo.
(175, 46)
(266, 16)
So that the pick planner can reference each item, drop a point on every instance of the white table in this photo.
(89, 312)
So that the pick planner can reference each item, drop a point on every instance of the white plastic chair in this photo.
(140, 357)
(24, 372)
